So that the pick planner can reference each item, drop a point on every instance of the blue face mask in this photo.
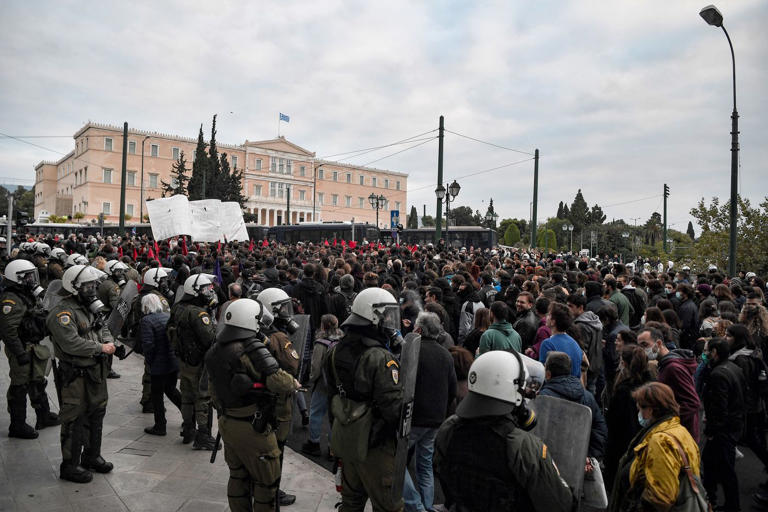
(642, 421)
(679, 295)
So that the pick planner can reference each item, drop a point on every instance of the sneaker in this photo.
(155, 430)
(22, 431)
(311, 448)
(285, 499)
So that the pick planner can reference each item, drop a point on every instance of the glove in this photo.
(23, 359)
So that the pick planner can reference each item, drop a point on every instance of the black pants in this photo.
(755, 437)
(164, 385)
(719, 467)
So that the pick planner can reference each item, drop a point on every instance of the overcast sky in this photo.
(619, 97)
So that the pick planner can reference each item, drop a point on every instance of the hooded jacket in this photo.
(724, 401)
(569, 388)
(526, 325)
(500, 336)
(312, 296)
(469, 307)
(676, 370)
(592, 337)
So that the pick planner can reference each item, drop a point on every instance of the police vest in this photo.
(32, 328)
(183, 341)
(224, 366)
(344, 360)
(477, 476)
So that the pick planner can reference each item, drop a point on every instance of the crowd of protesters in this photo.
(660, 354)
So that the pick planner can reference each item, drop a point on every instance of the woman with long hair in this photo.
(481, 323)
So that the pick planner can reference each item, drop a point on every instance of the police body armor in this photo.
(478, 477)
(184, 344)
(235, 388)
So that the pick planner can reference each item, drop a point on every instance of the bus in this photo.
(455, 236)
(321, 231)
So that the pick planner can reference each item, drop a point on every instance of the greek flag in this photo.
(285, 118)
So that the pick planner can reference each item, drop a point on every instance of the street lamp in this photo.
(569, 227)
(378, 203)
(712, 16)
(491, 217)
(141, 193)
(448, 195)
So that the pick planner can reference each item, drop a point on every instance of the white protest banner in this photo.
(169, 217)
(232, 223)
(206, 220)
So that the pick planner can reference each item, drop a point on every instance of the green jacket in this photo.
(500, 336)
(75, 336)
(623, 305)
(109, 294)
(19, 323)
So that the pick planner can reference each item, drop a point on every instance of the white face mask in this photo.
(651, 353)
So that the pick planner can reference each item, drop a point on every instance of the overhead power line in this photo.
(490, 143)
(630, 201)
(475, 173)
(401, 151)
(365, 150)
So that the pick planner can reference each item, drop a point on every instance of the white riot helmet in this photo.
(201, 285)
(247, 315)
(377, 307)
(57, 253)
(154, 277)
(280, 307)
(24, 273)
(116, 269)
(496, 384)
(75, 259)
(83, 281)
(27, 247)
(41, 249)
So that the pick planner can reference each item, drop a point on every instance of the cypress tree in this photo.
(179, 176)
(199, 169)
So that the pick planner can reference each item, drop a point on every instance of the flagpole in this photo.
(278, 126)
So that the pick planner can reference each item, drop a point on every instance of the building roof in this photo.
(359, 167)
(280, 144)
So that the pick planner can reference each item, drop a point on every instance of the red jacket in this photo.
(676, 370)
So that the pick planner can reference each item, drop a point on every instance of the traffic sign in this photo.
(394, 218)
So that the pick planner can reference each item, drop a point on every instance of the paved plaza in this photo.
(151, 473)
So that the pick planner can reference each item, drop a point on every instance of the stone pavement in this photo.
(151, 473)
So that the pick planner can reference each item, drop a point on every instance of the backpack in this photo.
(756, 378)
(467, 319)
(638, 306)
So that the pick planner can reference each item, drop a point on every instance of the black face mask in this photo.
(289, 325)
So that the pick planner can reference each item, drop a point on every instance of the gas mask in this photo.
(119, 277)
(525, 418)
(31, 283)
(87, 295)
(208, 296)
(284, 316)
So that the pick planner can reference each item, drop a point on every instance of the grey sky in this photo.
(620, 97)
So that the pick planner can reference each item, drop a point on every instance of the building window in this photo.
(362, 179)
(348, 201)
(281, 166)
(302, 170)
(335, 175)
(129, 209)
(132, 147)
(397, 185)
(106, 208)
(257, 190)
(302, 195)
(273, 164)
(174, 153)
(234, 161)
(288, 167)
(320, 197)
(373, 181)
(334, 199)
(130, 179)
(386, 183)
(153, 181)
(320, 174)
(107, 143)
(258, 164)
(361, 202)
(155, 150)
(272, 189)
(349, 177)
(107, 175)
(397, 205)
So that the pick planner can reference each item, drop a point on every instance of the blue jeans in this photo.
(318, 408)
(422, 441)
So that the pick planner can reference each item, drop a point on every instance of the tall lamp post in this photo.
(448, 195)
(141, 193)
(712, 16)
(491, 218)
(567, 228)
(378, 203)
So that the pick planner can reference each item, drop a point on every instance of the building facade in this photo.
(276, 172)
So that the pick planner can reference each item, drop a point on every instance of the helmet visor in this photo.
(284, 309)
(28, 278)
(388, 315)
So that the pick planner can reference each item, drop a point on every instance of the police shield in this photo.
(302, 344)
(564, 427)
(52, 295)
(409, 365)
(123, 309)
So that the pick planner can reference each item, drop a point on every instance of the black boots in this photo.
(188, 434)
(311, 448)
(17, 408)
(155, 430)
(22, 431)
(45, 418)
(72, 471)
(204, 441)
(285, 499)
(97, 464)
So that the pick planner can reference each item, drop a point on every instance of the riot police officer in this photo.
(366, 398)
(109, 294)
(40, 258)
(280, 307)
(75, 259)
(249, 280)
(191, 333)
(484, 456)
(22, 326)
(56, 263)
(246, 381)
(80, 343)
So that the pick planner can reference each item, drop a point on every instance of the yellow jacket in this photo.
(657, 465)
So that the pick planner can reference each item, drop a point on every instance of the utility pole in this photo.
(439, 211)
(666, 195)
(9, 234)
(535, 197)
(123, 177)
(288, 205)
